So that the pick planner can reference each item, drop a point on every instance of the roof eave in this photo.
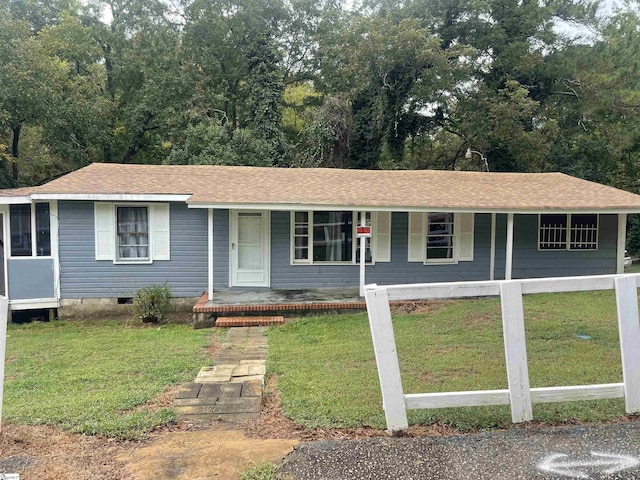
(113, 197)
(400, 208)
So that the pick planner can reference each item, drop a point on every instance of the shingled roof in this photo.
(288, 188)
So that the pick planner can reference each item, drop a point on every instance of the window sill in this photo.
(568, 249)
(296, 264)
(440, 262)
(133, 262)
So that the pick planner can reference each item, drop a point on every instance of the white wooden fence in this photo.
(519, 395)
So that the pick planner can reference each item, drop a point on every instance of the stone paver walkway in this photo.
(232, 389)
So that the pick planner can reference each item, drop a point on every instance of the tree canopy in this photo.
(533, 86)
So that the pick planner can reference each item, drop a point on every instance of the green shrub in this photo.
(153, 302)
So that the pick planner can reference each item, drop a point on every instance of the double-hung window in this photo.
(330, 237)
(568, 232)
(440, 237)
(132, 233)
(30, 227)
(132, 230)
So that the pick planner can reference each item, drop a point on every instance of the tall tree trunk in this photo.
(15, 153)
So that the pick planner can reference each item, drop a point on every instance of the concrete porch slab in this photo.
(278, 301)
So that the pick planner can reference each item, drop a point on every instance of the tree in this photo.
(215, 144)
(30, 82)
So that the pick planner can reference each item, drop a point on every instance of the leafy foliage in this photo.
(153, 302)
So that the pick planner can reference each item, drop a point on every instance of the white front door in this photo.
(249, 248)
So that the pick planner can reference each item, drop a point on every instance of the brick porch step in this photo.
(249, 321)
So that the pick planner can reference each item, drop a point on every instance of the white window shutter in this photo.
(104, 217)
(465, 236)
(382, 229)
(417, 238)
(161, 232)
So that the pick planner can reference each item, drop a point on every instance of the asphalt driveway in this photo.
(579, 452)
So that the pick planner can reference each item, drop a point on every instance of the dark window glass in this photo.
(332, 236)
(43, 230)
(440, 236)
(553, 232)
(20, 220)
(584, 232)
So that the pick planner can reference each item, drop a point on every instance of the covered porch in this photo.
(267, 307)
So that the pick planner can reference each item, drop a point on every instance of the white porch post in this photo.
(492, 260)
(622, 240)
(363, 246)
(210, 250)
(508, 264)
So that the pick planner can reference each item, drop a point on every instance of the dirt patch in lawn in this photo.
(213, 453)
(43, 452)
(426, 307)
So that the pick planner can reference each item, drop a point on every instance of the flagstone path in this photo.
(231, 390)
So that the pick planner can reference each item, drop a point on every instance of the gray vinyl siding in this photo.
(529, 262)
(82, 276)
(31, 278)
(398, 270)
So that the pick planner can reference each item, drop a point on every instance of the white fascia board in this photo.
(318, 208)
(14, 200)
(112, 197)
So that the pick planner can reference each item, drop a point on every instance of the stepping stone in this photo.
(189, 390)
(195, 410)
(238, 405)
(193, 402)
(248, 321)
(252, 388)
(230, 390)
(236, 380)
(210, 390)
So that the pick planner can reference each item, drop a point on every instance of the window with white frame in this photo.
(132, 230)
(568, 231)
(132, 233)
(328, 237)
(30, 227)
(440, 237)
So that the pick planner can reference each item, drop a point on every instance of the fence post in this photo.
(515, 349)
(384, 345)
(627, 305)
(4, 318)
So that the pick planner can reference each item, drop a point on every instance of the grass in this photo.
(633, 268)
(326, 370)
(96, 377)
(260, 471)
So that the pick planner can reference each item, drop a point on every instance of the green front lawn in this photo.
(96, 377)
(325, 366)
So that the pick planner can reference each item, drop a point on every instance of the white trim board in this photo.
(111, 197)
(33, 303)
(370, 208)
(14, 200)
